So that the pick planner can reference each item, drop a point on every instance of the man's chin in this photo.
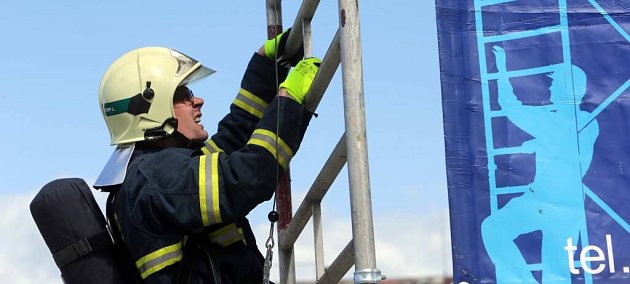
(203, 138)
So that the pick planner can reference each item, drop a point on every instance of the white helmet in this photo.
(136, 92)
(136, 100)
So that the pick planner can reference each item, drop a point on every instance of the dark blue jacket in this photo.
(174, 193)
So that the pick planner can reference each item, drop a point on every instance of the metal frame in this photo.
(345, 49)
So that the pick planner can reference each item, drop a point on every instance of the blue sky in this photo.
(54, 54)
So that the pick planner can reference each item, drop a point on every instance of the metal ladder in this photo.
(483, 42)
(486, 76)
(345, 48)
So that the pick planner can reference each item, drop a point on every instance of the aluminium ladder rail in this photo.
(345, 49)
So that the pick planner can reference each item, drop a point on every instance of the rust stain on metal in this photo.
(273, 31)
(343, 18)
(283, 200)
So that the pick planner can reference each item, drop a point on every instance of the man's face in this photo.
(188, 113)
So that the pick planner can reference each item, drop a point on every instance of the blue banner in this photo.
(537, 131)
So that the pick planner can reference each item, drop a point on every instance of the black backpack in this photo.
(75, 231)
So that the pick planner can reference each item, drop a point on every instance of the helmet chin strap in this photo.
(159, 137)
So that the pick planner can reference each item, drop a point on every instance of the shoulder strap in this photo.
(191, 251)
(191, 247)
(116, 236)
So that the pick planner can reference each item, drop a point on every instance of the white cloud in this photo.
(408, 246)
(25, 257)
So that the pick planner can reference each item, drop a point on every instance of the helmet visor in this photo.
(185, 64)
(200, 73)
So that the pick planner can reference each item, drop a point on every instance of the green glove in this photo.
(271, 46)
(300, 79)
(276, 46)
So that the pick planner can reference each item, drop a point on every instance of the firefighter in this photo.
(180, 198)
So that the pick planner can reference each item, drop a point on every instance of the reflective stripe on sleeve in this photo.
(159, 259)
(210, 147)
(209, 190)
(227, 235)
(267, 139)
(250, 103)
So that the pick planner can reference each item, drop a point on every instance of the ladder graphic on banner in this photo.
(538, 146)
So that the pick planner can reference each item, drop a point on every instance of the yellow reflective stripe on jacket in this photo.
(159, 259)
(250, 103)
(209, 189)
(267, 140)
(227, 235)
(210, 147)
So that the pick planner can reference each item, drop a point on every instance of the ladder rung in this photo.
(483, 3)
(324, 75)
(316, 193)
(497, 113)
(510, 150)
(535, 267)
(341, 265)
(521, 34)
(511, 189)
(522, 72)
(306, 12)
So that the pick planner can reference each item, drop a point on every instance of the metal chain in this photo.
(269, 256)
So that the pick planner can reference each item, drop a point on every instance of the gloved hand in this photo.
(277, 46)
(300, 79)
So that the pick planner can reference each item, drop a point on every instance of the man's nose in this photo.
(198, 102)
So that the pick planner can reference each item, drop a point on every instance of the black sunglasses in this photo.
(183, 94)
